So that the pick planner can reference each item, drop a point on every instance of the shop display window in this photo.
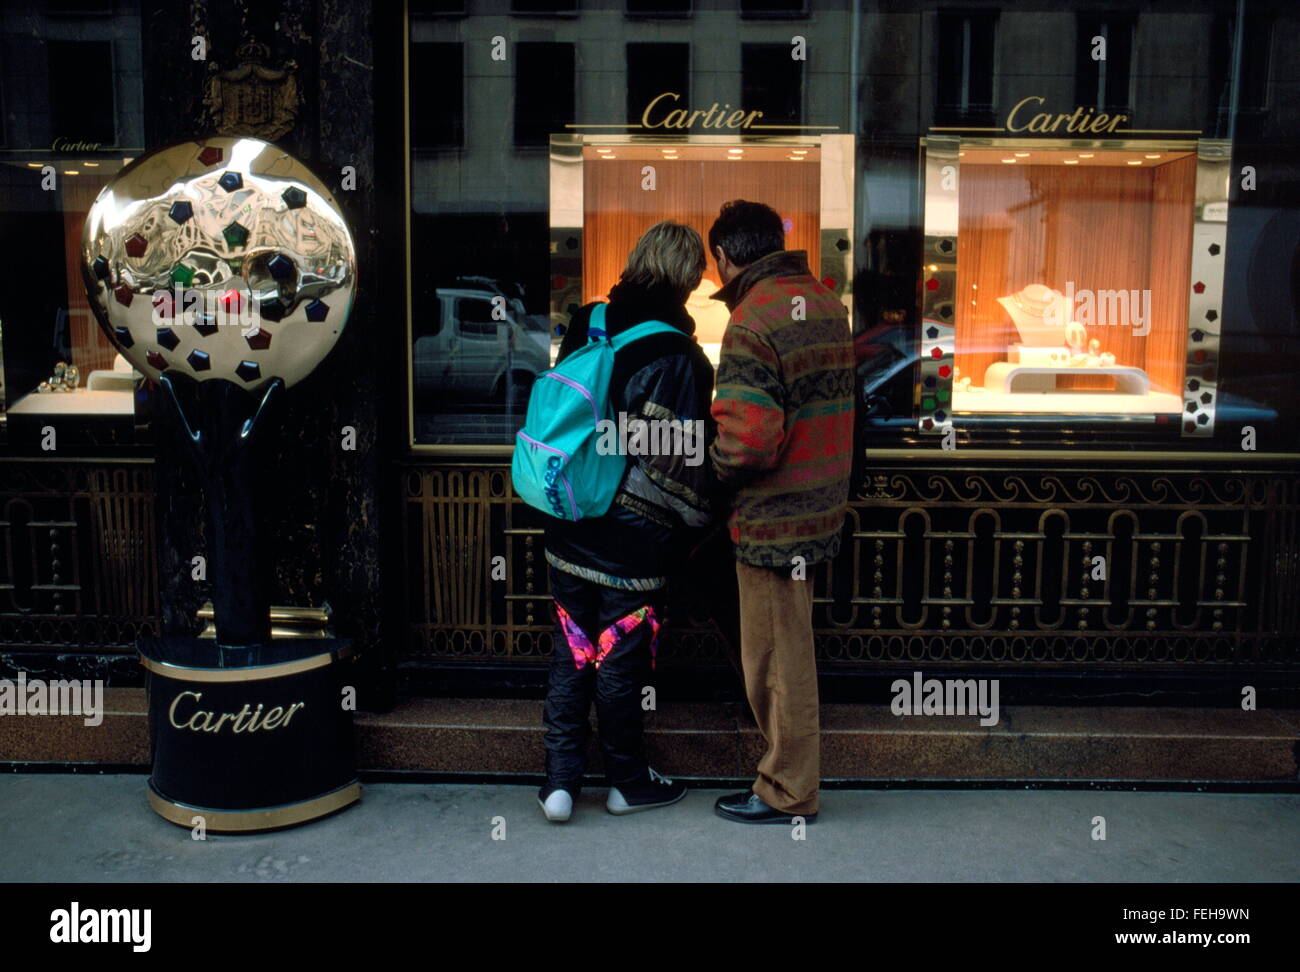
(1072, 279)
(57, 362)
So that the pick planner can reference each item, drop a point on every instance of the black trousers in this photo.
(603, 653)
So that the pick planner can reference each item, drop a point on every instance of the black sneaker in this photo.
(556, 803)
(653, 791)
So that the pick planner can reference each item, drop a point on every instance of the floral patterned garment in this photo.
(584, 651)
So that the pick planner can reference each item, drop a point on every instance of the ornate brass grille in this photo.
(945, 565)
(78, 556)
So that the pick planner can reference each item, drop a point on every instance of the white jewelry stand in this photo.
(1010, 377)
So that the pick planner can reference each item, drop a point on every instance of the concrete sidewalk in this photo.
(99, 828)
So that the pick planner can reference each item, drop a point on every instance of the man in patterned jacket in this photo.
(784, 409)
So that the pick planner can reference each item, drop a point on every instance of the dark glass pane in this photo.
(653, 69)
(1104, 83)
(758, 9)
(544, 90)
(966, 52)
(666, 8)
(434, 7)
(78, 6)
(78, 68)
(543, 6)
(437, 95)
(772, 82)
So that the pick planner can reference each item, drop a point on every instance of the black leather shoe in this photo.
(748, 807)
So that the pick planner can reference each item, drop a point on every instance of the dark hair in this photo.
(746, 231)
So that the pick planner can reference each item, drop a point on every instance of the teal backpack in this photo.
(557, 467)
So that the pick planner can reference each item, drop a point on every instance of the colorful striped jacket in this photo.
(784, 409)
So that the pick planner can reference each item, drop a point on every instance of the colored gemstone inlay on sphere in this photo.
(932, 284)
(199, 360)
(1198, 287)
(210, 155)
(100, 267)
(123, 295)
(167, 338)
(230, 181)
(271, 310)
(136, 246)
(123, 337)
(944, 371)
(236, 234)
(317, 311)
(180, 211)
(294, 197)
(231, 301)
(259, 340)
(280, 266)
(156, 360)
(182, 274)
(936, 352)
(248, 370)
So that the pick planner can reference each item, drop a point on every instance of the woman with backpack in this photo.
(608, 573)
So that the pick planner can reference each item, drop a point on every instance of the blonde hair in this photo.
(670, 254)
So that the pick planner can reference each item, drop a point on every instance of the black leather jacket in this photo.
(665, 500)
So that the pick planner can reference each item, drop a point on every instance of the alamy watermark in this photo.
(61, 697)
(948, 696)
(1114, 308)
(652, 437)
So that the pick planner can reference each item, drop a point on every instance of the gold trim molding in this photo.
(255, 673)
(248, 821)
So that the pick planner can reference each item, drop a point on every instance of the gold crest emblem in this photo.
(252, 98)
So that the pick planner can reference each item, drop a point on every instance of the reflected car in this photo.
(465, 352)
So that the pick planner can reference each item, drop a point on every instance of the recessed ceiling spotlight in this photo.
(1085, 155)
(1152, 156)
(33, 165)
(71, 172)
(735, 151)
(1011, 161)
(1022, 155)
(798, 151)
(1071, 161)
(1134, 162)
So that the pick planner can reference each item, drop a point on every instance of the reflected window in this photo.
(76, 68)
(1104, 82)
(438, 119)
(966, 50)
(772, 82)
(544, 90)
(659, 8)
(653, 69)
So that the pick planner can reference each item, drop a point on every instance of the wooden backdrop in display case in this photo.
(1105, 220)
(691, 184)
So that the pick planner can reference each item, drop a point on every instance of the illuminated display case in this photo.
(58, 366)
(1080, 280)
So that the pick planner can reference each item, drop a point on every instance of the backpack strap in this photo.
(644, 329)
(596, 323)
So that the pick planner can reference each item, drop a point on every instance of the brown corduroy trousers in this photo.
(776, 651)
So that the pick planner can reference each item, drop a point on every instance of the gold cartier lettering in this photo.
(1080, 121)
(72, 145)
(715, 116)
(247, 719)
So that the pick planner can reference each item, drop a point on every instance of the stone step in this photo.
(865, 743)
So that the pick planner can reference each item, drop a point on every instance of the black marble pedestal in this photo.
(248, 739)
